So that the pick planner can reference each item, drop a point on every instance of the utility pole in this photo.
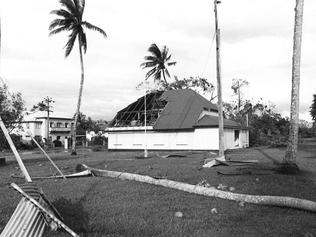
(219, 86)
(48, 100)
(45, 105)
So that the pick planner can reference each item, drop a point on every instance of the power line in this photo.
(208, 54)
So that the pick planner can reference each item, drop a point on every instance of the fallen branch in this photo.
(211, 192)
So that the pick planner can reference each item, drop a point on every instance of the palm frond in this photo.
(70, 43)
(63, 13)
(168, 58)
(164, 53)
(157, 75)
(151, 58)
(93, 27)
(150, 73)
(60, 23)
(148, 64)
(70, 6)
(167, 72)
(171, 63)
(58, 30)
(154, 50)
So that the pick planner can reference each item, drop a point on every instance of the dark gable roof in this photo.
(182, 110)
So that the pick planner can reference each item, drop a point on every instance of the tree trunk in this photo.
(164, 78)
(210, 192)
(289, 160)
(73, 152)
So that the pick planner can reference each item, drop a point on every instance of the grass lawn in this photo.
(96, 206)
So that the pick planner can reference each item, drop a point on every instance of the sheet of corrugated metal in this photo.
(26, 221)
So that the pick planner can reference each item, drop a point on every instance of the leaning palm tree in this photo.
(158, 62)
(70, 19)
(289, 161)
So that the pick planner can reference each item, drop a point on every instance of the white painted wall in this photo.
(198, 139)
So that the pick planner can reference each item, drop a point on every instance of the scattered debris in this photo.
(178, 214)
(222, 187)
(232, 189)
(308, 234)
(210, 162)
(244, 161)
(159, 177)
(242, 172)
(204, 183)
(33, 211)
(214, 211)
(257, 179)
(172, 155)
(242, 204)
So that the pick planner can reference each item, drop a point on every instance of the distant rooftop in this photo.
(42, 114)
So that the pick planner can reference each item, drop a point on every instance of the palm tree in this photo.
(158, 62)
(70, 19)
(289, 160)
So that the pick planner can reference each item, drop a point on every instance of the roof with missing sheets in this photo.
(177, 110)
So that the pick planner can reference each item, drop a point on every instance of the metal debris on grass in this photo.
(204, 183)
(178, 214)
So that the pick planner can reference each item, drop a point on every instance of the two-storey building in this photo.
(59, 129)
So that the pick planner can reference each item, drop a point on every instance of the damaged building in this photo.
(174, 120)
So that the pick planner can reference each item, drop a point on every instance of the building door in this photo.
(236, 138)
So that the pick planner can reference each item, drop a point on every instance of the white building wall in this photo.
(229, 138)
(198, 139)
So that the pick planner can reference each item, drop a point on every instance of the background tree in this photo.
(11, 111)
(45, 105)
(237, 84)
(289, 160)
(198, 84)
(158, 62)
(70, 19)
(313, 112)
(85, 123)
(266, 126)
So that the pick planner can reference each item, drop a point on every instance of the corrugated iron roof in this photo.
(212, 121)
(182, 110)
(26, 221)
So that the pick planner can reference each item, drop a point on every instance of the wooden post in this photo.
(15, 152)
(145, 104)
(219, 86)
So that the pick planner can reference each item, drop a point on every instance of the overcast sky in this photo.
(256, 46)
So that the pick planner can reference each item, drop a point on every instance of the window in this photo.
(51, 124)
(38, 125)
(66, 125)
(27, 125)
(59, 125)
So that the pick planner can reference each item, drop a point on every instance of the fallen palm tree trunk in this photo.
(211, 192)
